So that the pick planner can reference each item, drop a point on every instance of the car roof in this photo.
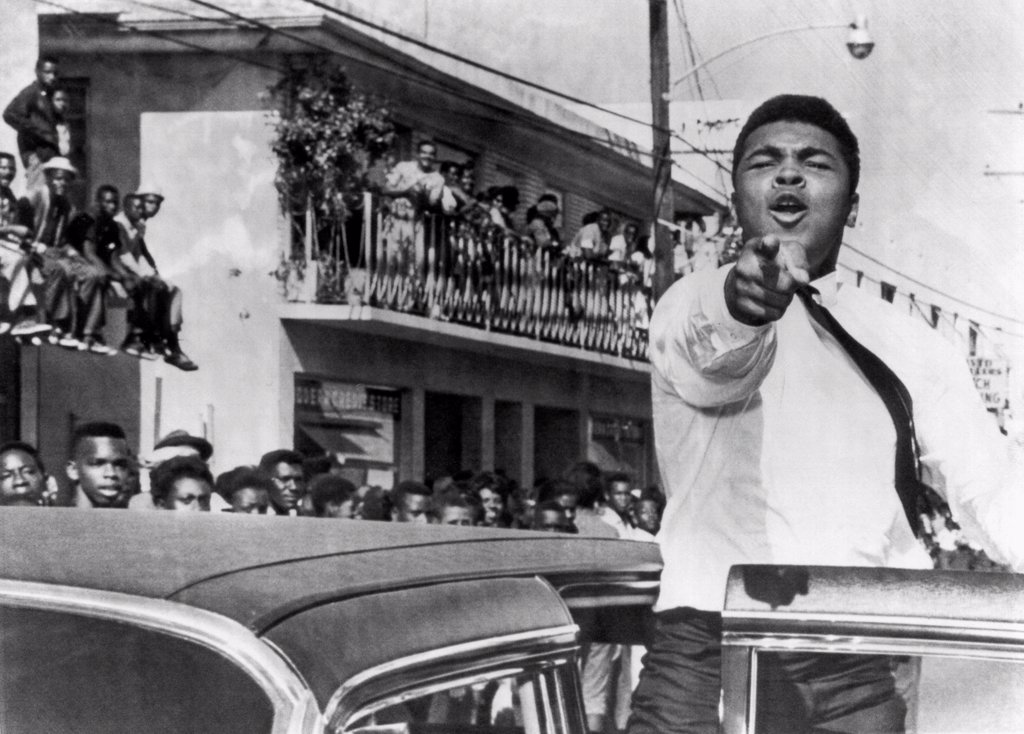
(259, 570)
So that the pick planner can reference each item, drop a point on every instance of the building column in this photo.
(29, 395)
(413, 429)
(487, 433)
(19, 49)
(583, 420)
(526, 433)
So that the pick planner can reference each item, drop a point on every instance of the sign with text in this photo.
(356, 423)
(990, 377)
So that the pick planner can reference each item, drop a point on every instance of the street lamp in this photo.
(858, 43)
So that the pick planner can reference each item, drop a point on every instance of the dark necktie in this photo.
(897, 401)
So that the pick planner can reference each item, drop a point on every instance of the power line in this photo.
(498, 72)
(943, 313)
(269, 28)
(628, 145)
(915, 281)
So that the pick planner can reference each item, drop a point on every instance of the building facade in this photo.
(392, 392)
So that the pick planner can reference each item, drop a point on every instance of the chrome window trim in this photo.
(753, 625)
(591, 594)
(875, 645)
(525, 647)
(295, 708)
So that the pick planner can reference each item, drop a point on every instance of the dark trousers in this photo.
(797, 693)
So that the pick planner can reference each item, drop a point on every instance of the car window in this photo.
(62, 672)
(930, 694)
(538, 702)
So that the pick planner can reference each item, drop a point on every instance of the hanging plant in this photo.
(327, 136)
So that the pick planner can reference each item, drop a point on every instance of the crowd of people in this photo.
(59, 266)
(105, 473)
(423, 188)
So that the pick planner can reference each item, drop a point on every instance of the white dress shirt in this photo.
(774, 448)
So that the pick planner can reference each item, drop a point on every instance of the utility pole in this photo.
(661, 152)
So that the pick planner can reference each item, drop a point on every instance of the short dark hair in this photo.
(313, 466)
(46, 59)
(409, 487)
(811, 110)
(326, 488)
(107, 188)
(550, 506)
(426, 141)
(242, 477)
(95, 429)
(653, 494)
(618, 477)
(9, 156)
(586, 477)
(451, 497)
(553, 488)
(498, 483)
(271, 459)
(163, 477)
(25, 448)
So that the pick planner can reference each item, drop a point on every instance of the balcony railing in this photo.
(443, 268)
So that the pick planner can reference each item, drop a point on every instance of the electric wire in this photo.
(498, 72)
(255, 23)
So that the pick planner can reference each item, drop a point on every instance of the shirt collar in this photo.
(827, 287)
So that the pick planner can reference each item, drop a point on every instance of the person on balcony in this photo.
(593, 240)
(540, 223)
(623, 244)
(415, 187)
(456, 200)
(504, 201)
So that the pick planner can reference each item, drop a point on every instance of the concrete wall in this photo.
(216, 237)
(19, 49)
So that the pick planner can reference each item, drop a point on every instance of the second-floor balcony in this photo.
(444, 269)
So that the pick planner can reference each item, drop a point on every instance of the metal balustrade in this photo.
(444, 268)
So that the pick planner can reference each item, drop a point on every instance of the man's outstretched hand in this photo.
(760, 287)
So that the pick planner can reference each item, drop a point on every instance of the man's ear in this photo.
(72, 470)
(851, 218)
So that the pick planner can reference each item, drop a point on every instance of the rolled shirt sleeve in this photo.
(705, 355)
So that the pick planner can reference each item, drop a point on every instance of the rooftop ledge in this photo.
(411, 327)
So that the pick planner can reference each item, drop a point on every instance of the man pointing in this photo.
(795, 419)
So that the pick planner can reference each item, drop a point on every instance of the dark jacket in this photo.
(31, 115)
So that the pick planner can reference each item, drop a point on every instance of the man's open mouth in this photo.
(787, 209)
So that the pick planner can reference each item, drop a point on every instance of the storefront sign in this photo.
(355, 423)
(329, 398)
(990, 378)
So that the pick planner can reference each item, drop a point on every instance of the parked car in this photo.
(956, 638)
(117, 622)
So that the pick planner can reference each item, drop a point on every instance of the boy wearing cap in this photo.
(156, 316)
(73, 287)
